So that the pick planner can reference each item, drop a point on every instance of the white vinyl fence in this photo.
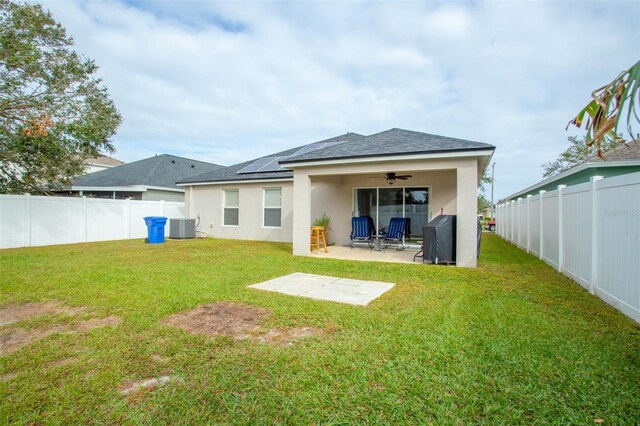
(27, 220)
(589, 232)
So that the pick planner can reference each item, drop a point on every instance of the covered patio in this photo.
(436, 184)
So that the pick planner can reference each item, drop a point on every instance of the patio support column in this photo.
(301, 213)
(466, 210)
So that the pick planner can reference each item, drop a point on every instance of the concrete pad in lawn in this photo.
(321, 287)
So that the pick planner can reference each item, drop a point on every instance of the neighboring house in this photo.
(153, 178)
(618, 161)
(101, 163)
(489, 212)
(276, 198)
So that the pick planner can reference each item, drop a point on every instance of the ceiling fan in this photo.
(392, 176)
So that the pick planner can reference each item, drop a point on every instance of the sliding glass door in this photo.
(384, 203)
(365, 203)
(416, 208)
(390, 205)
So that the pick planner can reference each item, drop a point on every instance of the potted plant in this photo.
(324, 222)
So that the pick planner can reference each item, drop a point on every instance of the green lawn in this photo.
(512, 342)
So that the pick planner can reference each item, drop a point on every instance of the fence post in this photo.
(27, 220)
(541, 225)
(594, 234)
(508, 230)
(513, 220)
(518, 224)
(560, 231)
(127, 225)
(83, 220)
(529, 223)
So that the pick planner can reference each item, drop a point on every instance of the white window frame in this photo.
(265, 207)
(224, 206)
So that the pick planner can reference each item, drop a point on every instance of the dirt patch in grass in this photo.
(14, 313)
(90, 324)
(8, 377)
(283, 336)
(62, 362)
(219, 319)
(159, 359)
(240, 322)
(145, 384)
(13, 338)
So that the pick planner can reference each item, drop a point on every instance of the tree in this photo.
(54, 112)
(607, 108)
(483, 202)
(577, 153)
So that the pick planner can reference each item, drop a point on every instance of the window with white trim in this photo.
(231, 203)
(272, 207)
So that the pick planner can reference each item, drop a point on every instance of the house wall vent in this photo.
(182, 229)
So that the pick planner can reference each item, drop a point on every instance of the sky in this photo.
(227, 82)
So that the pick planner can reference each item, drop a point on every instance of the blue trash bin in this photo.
(155, 229)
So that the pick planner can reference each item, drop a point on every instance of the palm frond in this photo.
(605, 110)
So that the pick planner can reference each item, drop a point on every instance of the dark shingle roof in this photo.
(392, 142)
(626, 152)
(161, 170)
(388, 143)
(231, 173)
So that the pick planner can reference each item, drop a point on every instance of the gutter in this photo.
(388, 157)
(132, 188)
(235, 182)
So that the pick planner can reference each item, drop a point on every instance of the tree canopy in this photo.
(54, 112)
(577, 153)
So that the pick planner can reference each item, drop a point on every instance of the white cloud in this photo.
(227, 82)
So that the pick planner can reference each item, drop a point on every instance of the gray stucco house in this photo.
(388, 174)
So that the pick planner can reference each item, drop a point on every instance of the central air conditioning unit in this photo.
(182, 229)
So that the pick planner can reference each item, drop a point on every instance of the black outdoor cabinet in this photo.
(439, 240)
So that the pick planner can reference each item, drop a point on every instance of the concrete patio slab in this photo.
(321, 287)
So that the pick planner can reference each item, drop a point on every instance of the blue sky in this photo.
(229, 81)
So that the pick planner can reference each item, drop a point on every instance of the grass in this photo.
(511, 342)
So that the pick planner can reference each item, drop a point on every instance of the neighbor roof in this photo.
(104, 160)
(625, 152)
(158, 171)
(391, 142)
(624, 158)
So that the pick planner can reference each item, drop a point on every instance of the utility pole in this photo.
(493, 167)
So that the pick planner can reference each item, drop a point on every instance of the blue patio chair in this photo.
(360, 231)
(396, 232)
